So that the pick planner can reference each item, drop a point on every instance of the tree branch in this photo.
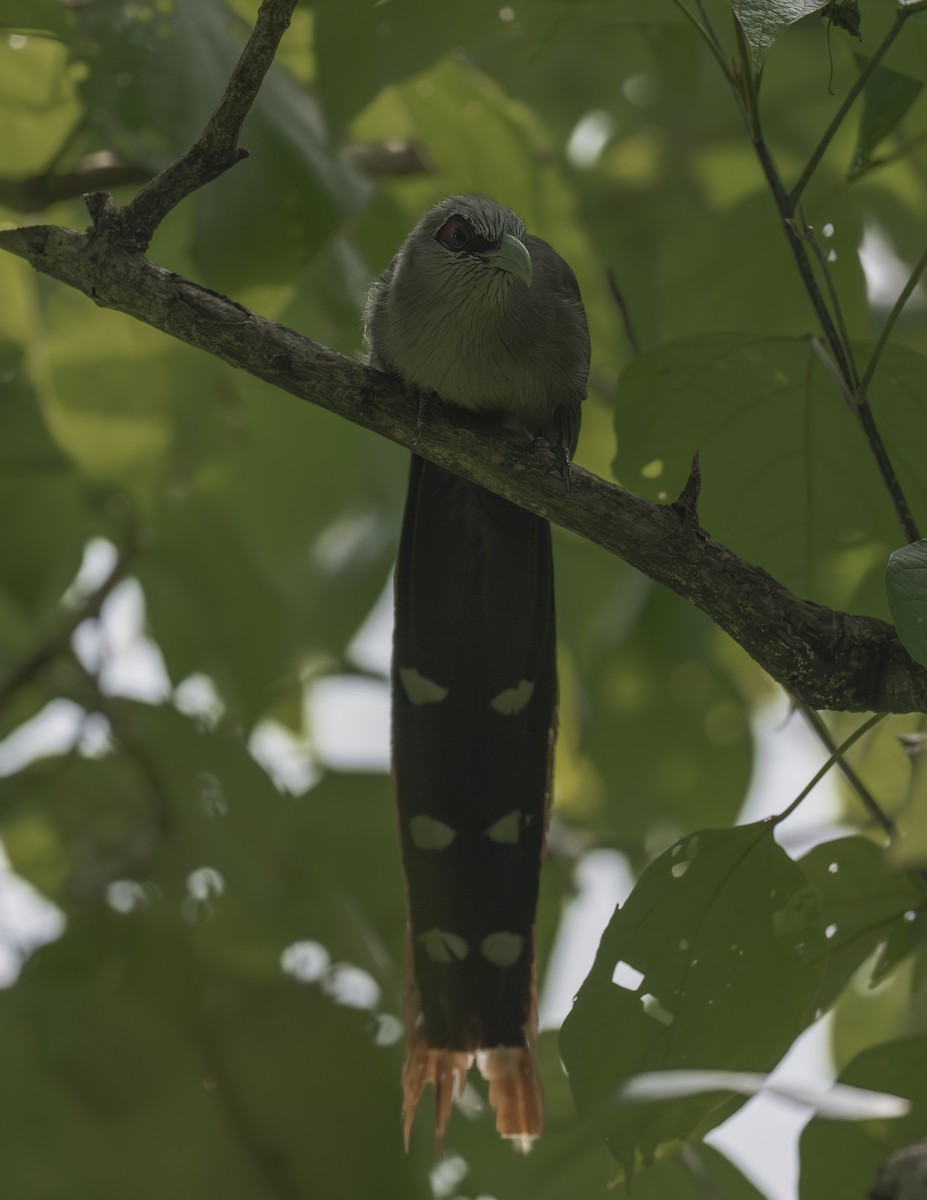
(97, 172)
(827, 659)
(215, 150)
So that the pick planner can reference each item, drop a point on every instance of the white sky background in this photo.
(350, 727)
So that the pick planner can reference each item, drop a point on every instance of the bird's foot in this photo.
(564, 464)
(426, 402)
(561, 455)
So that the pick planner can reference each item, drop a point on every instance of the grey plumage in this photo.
(454, 323)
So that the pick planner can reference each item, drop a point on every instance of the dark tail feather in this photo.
(474, 710)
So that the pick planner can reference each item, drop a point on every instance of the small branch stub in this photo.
(686, 503)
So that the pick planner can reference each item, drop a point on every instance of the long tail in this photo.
(474, 714)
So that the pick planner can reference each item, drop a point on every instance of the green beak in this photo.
(512, 256)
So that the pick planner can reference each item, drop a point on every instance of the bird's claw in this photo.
(561, 455)
(425, 404)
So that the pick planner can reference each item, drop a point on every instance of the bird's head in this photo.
(472, 237)
(482, 315)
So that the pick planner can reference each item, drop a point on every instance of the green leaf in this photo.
(566, 1162)
(862, 898)
(763, 21)
(362, 48)
(291, 195)
(906, 584)
(660, 718)
(905, 938)
(47, 514)
(838, 1161)
(887, 96)
(726, 935)
(297, 565)
(126, 404)
(37, 17)
(125, 1048)
(787, 479)
(169, 65)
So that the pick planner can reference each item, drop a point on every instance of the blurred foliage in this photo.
(220, 1014)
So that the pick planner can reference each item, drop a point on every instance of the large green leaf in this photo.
(566, 1162)
(131, 1061)
(362, 48)
(725, 948)
(169, 65)
(659, 718)
(716, 276)
(131, 408)
(788, 479)
(275, 553)
(838, 1161)
(48, 515)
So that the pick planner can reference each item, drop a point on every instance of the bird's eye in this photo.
(457, 234)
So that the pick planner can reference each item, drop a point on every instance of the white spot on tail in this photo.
(419, 689)
(507, 829)
(626, 976)
(443, 947)
(502, 949)
(429, 834)
(653, 1008)
(510, 702)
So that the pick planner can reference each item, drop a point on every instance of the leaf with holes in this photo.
(862, 898)
(726, 934)
(763, 21)
(906, 584)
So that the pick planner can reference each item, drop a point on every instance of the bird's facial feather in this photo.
(471, 230)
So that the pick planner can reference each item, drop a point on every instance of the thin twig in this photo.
(217, 149)
(802, 261)
(897, 155)
(869, 801)
(831, 324)
(847, 370)
(887, 470)
(897, 308)
(862, 79)
(747, 93)
(92, 697)
(710, 38)
(619, 299)
(809, 235)
(832, 761)
(58, 642)
(98, 173)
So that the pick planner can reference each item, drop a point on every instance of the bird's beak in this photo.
(512, 256)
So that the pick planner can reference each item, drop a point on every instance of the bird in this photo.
(474, 311)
